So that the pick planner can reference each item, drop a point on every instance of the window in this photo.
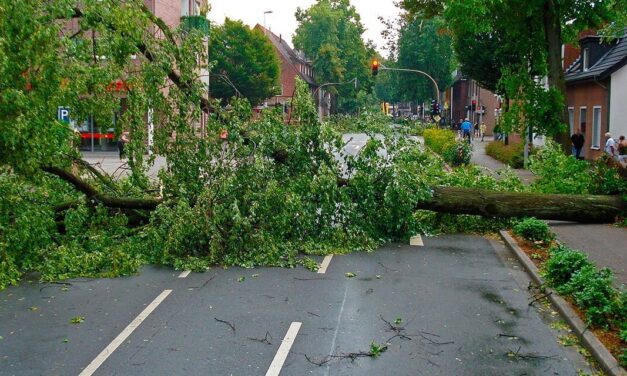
(596, 127)
(583, 115)
(586, 59)
(571, 119)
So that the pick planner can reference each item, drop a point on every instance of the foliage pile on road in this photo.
(559, 173)
(442, 142)
(511, 155)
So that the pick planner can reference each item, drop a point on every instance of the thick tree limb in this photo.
(93, 194)
(575, 208)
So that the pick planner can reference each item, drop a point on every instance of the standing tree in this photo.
(537, 29)
(424, 45)
(330, 32)
(245, 60)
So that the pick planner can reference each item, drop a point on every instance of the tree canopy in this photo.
(330, 33)
(244, 59)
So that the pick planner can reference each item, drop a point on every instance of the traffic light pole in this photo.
(437, 90)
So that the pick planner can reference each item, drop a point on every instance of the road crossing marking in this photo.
(284, 350)
(416, 241)
(185, 274)
(325, 264)
(97, 362)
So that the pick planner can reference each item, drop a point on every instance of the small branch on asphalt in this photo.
(262, 340)
(225, 322)
(423, 335)
(507, 335)
(386, 268)
(543, 296)
(517, 355)
(396, 329)
(64, 284)
(309, 279)
(313, 314)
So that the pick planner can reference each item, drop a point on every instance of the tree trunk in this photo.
(575, 208)
(553, 36)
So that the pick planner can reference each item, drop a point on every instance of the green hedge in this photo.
(442, 141)
(512, 154)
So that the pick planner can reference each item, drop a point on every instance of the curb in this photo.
(606, 360)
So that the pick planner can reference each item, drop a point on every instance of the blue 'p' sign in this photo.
(63, 114)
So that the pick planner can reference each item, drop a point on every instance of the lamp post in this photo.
(264, 20)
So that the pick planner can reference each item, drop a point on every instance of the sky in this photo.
(282, 20)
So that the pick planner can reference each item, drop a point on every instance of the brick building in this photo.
(293, 64)
(100, 137)
(466, 99)
(596, 81)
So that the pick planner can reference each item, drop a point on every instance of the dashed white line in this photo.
(185, 274)
(416, 241)
(97, 362)
(337, 329)
(325, 264)
(284, 350)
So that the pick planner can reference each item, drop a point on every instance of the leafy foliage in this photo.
(533, 230)
(559, 173)
(245, 59)
(330, 33)
(511, 155)
(563, 264)
(442, 141)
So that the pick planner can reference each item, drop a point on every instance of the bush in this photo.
(560, 173)
(533, 230)
(442, 142)
(593, 291)
(512, 154)
(562, 264)
(439, 140)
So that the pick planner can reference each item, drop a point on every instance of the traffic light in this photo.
(375, 67)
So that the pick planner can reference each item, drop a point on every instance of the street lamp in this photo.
(264, 20)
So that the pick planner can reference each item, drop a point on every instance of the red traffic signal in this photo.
(375, 67)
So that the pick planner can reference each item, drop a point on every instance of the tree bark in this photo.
(556, 78)
(575, 208)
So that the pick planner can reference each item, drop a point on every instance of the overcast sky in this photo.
(282, 20)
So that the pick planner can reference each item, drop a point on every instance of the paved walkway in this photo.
(605, 244)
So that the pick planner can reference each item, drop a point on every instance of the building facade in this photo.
(294, 65)
(596, 81)
(467, 99)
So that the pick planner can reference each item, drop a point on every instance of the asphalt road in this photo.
(460, 306)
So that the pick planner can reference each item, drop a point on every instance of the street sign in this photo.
(437, 118)
(63, 114)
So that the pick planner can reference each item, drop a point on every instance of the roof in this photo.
(609, 63)
(292, 56)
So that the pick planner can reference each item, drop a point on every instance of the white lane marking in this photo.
(284, 350)
(325, 264)
(417, 241)
(337, 329)
(185, 274)
(97, 362)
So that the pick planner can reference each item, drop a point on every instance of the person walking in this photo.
(610, 145)
(482, 129)
(467, 130)
(577, 140)
(622, 149)
(124, 139)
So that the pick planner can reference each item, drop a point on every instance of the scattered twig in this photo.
(517, 355)
(55, 283)
(507, 335)
(313, 314)
(386, 268)
(434, 342)
(540, 297)
(396, 329)
(225, 322)
(262, 340)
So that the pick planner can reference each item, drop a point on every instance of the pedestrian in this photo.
(476, 130)
(610, 145)
(622, 149)
(497, 132)
(122, 141)
(577, 140)
(482, 128)
(467, 130)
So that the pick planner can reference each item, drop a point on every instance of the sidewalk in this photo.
(110, 163)
(605, 244)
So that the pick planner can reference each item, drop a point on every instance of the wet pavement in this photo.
(458, 305)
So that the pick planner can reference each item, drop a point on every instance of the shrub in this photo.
(459, 154)
(512, 154)
(439, 140)
(562, 264)
(533, 230)
(593, 291)
(560, 173)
